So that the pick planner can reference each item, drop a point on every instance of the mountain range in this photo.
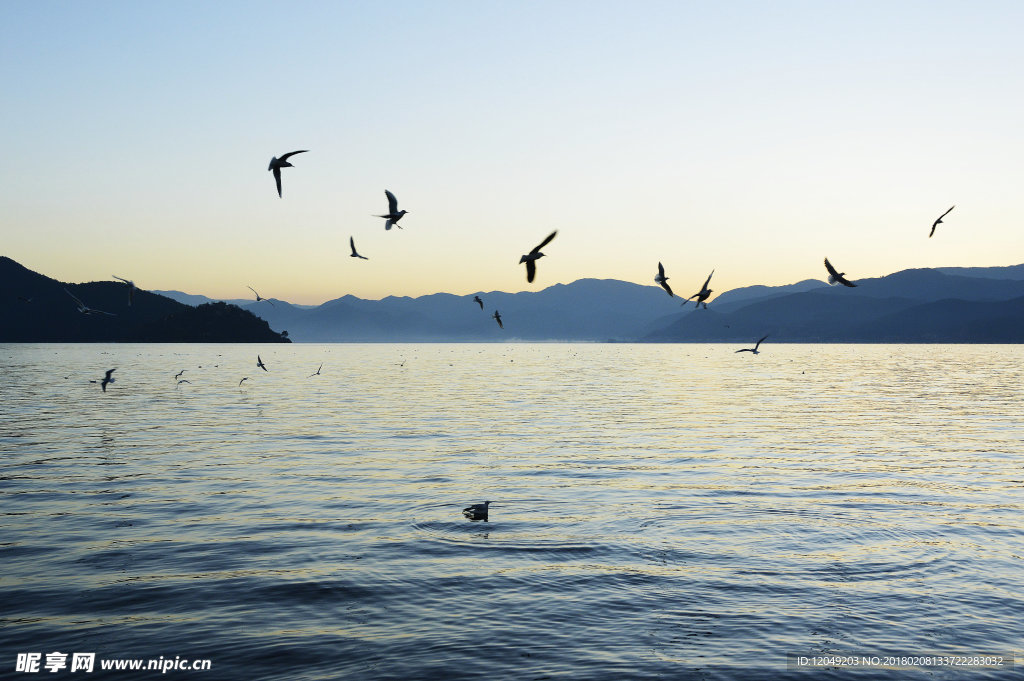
(37, 309)
(943, 305)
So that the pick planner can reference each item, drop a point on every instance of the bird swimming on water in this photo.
(393, 215)
(835, 277)
(703, 294)
(355, 253)
(662, 280)
(938, 221)
(531, 258)
(277, 163)
(753, 349)
(476, 511)
(260, 364)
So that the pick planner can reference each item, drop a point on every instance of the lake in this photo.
(658, 511)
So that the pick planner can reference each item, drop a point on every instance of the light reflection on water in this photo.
(660, 511)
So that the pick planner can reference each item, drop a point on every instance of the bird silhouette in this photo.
(753, 349)
(703, 294)
(131, 287)
(85, 309)
(663, 280)
(393, 215)
(531, 258)
(355, 254)
(107, 379)
(317, 373)
(497, 318)
(835, 277)
(477, 511)
(479, 301)
(277, 163)
(938, 221)
(260, 298)
(260, 364)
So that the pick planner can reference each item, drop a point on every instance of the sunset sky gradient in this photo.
(751, 138)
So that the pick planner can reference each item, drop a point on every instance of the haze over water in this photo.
(659, 511)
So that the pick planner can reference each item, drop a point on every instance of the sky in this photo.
(751, 138)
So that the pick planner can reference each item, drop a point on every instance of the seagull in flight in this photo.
(243, 381)
(85, 309)
(131, 287)
(754, 349)
(703, 294)
(476, 511)
(260, 364)
(394, 215)
(497, 318)
(477, 300)
(531, 257)
(939, 221)
(106, 379)
(355, 253)
(277, 163)
(178, 375)
(836, 277)
(184, 380)
(662, 280)
(317, 371)
(259, 297)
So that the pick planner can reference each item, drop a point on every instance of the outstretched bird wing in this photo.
(708, 281)
(352, 245)
(938, 220)
(759, 342)
(393, 202)
(292, 153)
(531, 270)
(277, 180)
(544, 243)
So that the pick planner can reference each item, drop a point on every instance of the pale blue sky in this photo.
(750, 138)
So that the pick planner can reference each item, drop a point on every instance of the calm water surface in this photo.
(659, 511)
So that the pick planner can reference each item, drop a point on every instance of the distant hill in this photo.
(37, 309)
(920, 305)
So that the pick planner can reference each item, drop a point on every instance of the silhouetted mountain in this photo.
(918, 305)
(35, 308)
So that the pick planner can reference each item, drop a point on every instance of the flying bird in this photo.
(394, 215)
(476, 511)
(131, 287)
(277, 163)
(178, 375)
(754, 349)
(531, 257)
(317, 371)
(355, 254)
(703, 294)
(243, 381)
(260, 364)
(497, 318)
(85, 309)
(836, 277)
(184, 380)
(260, 298)
(939, 221)
(106, 379)
(478, 301)
(662, 279)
